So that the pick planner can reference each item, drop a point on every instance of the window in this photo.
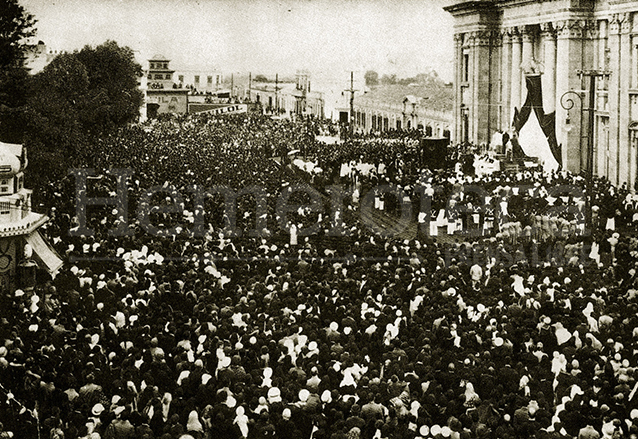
(181, 78)
(196, 79)
(159, 76)
(168, 76)
(210, 80)
(152, 65)
(5, 184)
(5, 208)
(165, 65)
(466, 67)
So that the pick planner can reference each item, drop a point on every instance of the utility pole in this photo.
(277, 93)
(250, 84)
(232, 85)
(351, 90)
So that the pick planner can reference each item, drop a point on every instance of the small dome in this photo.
(159, 57)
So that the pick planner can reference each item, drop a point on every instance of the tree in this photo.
(389, 79)
(77, 97)
(372, 78)
(16, 26)
(260, 78)
(113, 97)
(57, 98)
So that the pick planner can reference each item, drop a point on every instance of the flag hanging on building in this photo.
(536, 130)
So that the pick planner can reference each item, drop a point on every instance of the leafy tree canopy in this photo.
(79, 96)
(372, 78)
(16, 25)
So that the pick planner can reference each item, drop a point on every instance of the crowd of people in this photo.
(194, 322)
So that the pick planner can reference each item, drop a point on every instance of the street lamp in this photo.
(567, 102)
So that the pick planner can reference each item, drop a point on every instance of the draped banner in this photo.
(536, 131)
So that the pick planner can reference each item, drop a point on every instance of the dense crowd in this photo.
(189, 327)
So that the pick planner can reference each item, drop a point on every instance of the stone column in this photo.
(481, 113)
(527, 61)
(614, 96)
(549, 74)
(602, 129)
(568, 60)
(458, 90)
(624, 156)
(515, 77)
(633, 152)
(506, 71)
(634, 54)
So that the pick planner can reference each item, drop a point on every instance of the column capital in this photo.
(480, 38)
(569, 28)
(528, 33)
(458, 39)
(620, 23)
(627, 23)
(514, 34)
(506, 38)
(468, 39)
(548, 30)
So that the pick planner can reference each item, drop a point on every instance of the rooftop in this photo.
(439, 96)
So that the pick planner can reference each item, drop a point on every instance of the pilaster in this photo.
(568, 61)
(506, 60)
(548, 35)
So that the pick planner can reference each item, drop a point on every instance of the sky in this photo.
(326, 37)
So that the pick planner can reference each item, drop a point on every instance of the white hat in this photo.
(97, 409)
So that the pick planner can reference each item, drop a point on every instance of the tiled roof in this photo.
(439, 96)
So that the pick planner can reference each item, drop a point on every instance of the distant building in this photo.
(38, 56)
(168, 100)
(159, 75)
(160, 92)
(390, 107)
(289, 98)
(200, 81)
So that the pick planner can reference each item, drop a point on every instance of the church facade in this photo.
(575, 46)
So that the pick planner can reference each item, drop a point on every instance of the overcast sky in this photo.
(328, 37)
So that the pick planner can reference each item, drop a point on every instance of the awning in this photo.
(46, 257)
